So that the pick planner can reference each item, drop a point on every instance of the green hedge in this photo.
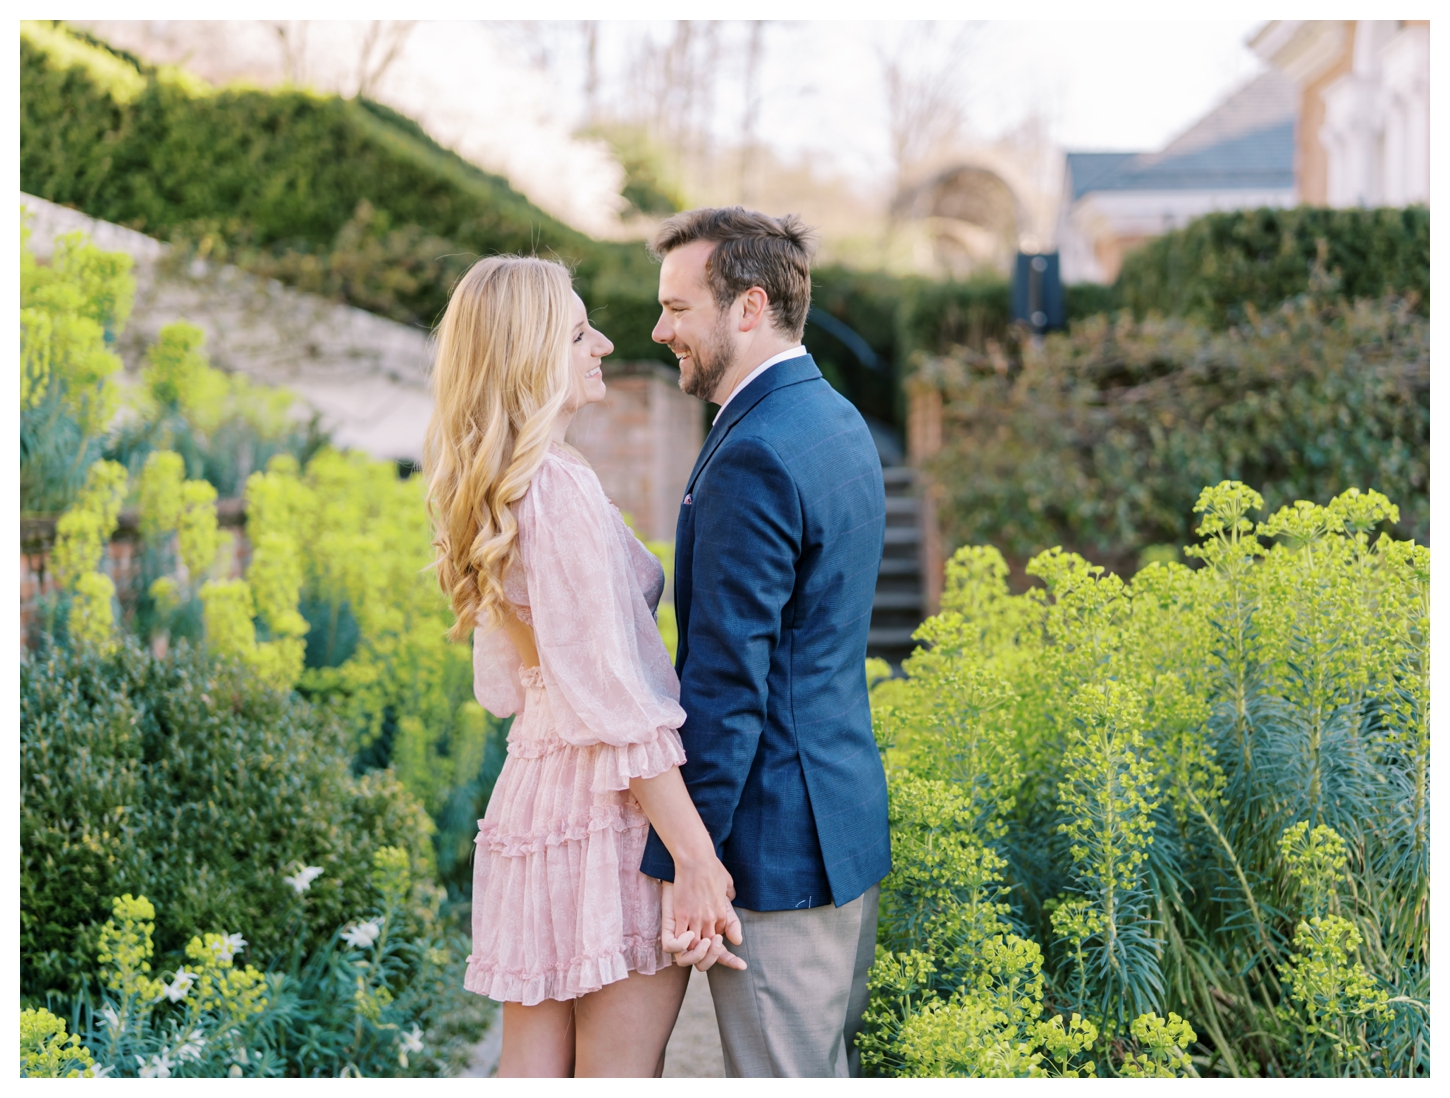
(1097, 440)
(1217, 264)
(185, 780)
(258, 176)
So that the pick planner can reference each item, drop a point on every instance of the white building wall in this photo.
(1376, 131)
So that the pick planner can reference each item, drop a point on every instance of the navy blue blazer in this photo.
(776, 553)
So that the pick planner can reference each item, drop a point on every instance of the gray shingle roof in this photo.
(1247, 142)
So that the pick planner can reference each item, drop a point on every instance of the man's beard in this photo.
(711, 362)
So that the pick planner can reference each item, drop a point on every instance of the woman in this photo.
(560, 597)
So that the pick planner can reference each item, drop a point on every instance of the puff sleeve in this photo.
(606, 672)
(496, 667)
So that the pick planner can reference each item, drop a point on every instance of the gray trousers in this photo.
(795, 1011)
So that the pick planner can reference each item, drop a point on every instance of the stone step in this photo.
(902, 505)
(890, 638)
(899, 566)
(898, 476)
(903, 535)
(897, 600)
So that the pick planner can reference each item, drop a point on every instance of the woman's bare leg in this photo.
(538, 1041)
(621, 1030)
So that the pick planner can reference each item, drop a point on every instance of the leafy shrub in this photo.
(1205, 792)
(187, 780)
(222, 425)
(1221, 265)
(68, 310)
(72, 410)
(357, 543)
(47, 1052)
(1099, 438)
(376, 1000)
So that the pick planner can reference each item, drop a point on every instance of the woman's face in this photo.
(586, 348)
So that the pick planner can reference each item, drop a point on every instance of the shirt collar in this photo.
(798, 351)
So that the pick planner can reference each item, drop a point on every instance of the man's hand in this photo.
(690, 948)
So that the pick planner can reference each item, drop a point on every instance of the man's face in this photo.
(691, 324)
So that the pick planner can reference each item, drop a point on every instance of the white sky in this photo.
(1129, 84)
(1097, 85)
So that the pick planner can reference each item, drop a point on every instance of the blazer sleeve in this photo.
(606, 671)
(748, 532)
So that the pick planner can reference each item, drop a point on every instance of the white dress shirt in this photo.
(794, 352)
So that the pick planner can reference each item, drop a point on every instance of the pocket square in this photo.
(689, 499)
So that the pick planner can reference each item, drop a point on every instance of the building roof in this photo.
(1246, 142)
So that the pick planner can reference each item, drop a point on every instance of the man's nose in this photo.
(663, 333)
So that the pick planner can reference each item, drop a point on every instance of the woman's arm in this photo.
(703, 887)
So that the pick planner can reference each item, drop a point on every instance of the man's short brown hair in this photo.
(751, 249)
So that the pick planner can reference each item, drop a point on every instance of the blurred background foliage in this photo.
(1097, 439)
(1221, 265)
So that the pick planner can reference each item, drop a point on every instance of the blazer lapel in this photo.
(790, 372)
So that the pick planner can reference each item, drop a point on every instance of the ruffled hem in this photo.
(568, 980)
(613, 765)
(575, 829)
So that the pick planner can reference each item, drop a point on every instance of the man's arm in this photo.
(747, 539)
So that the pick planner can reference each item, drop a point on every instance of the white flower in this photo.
(159, 1068)
(179, 986)
(190, 1049)
(235, 1071)
(302, 880)
(413, 1042)
(229, 946)
(362, 935)
(113, 1020)
(410, 1042)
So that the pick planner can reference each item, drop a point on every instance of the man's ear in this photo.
(755, 309)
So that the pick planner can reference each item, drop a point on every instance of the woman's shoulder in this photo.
(563, 467)
(563, 478)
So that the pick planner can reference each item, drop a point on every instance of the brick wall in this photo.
(642, 440)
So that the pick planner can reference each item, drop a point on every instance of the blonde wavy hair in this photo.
(500, 379)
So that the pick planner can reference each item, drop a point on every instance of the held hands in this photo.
(699, 942)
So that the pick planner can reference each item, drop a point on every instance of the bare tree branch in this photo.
(925, 96)
(382, 42)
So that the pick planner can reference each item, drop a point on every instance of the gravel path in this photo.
(693, 1051)
(694, 1048)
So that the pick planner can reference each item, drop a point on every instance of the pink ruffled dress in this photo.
(560, 907)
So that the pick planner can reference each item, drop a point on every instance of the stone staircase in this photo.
(897, 609)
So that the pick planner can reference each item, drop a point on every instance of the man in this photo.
(776, 554)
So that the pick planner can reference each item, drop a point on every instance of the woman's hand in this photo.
(703, 886)
(690, 948)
